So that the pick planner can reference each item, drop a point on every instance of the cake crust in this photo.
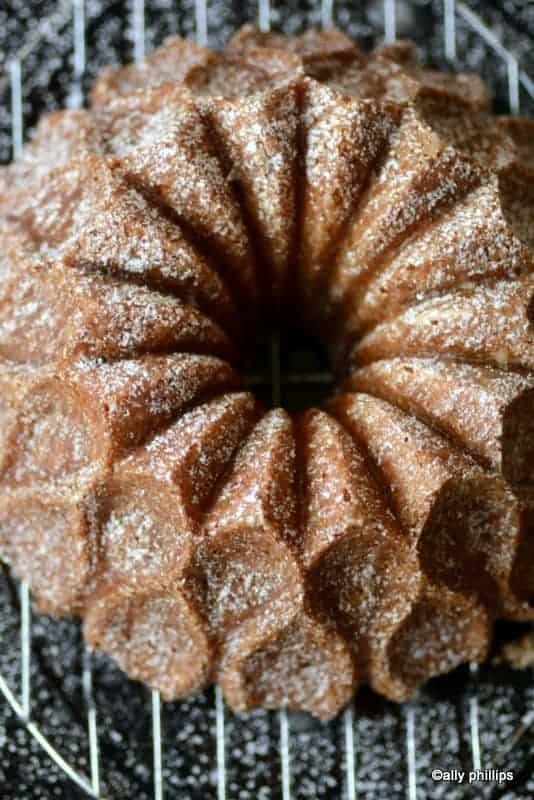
(202, 199)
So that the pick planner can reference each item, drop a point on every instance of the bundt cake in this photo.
(145, 242)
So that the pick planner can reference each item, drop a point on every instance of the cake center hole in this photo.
(290, 369)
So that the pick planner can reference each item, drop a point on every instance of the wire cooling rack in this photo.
(72, 725)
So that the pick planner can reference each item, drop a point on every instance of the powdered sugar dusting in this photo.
(465, 401)
(197, 535)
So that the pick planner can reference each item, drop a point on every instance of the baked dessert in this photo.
(145, 241)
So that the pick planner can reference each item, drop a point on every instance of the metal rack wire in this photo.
(93, 783)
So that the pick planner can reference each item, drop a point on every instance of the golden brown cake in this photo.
(204, 197)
